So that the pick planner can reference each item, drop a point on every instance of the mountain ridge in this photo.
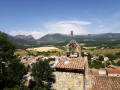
(61, 38)
(88, 37)
(23, 37)
(58, 37)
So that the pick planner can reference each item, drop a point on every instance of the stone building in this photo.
(71, 71)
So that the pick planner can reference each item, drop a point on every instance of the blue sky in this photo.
(40, 17)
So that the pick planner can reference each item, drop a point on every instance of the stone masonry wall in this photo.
(69, 80)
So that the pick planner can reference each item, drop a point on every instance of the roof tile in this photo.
(105, 83)
(113, 71)
(71, 64)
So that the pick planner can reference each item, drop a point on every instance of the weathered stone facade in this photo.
(73, 47)
(69, 80)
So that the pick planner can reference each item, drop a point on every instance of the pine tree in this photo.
(43, 74)
(12, 71)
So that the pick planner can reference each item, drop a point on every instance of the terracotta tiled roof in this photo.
(113, 71)
(71, 64)
(105, 83)
(94, 71)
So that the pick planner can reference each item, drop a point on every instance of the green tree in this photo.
(101, 58)
(12, 71)
(46, 53)
(96, 64)
(118, 63)
(89, 56)
(32, 84)
(43, 74)
(111, 57)
(107, 63)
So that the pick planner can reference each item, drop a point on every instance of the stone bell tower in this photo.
(71, 72)
(73, 49)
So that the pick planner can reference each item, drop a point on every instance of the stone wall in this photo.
(86, 70)
(69, 80)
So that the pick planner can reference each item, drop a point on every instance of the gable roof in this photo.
(113, 71)
(105, 83)
(70, 64)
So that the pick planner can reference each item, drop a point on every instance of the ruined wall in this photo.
(69, 80)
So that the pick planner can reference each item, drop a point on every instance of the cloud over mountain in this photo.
(34, 33)
(63, 27)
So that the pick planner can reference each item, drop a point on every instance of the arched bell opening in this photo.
(73, 49)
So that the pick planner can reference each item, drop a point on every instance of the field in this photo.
(102, 51)
(33, 51)
(21, 52)
(44, 49)
(89, 47)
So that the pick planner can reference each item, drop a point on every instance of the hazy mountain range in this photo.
(57, 37)
(23, 41)
(89, 37)
(24, 37)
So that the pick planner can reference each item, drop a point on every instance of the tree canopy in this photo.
(43, 75)
(12, 71)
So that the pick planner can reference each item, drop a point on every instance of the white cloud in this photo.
(35, 34)
(66, 26)
(75, 22)
(63, 27)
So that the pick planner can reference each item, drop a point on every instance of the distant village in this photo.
(72, 70)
